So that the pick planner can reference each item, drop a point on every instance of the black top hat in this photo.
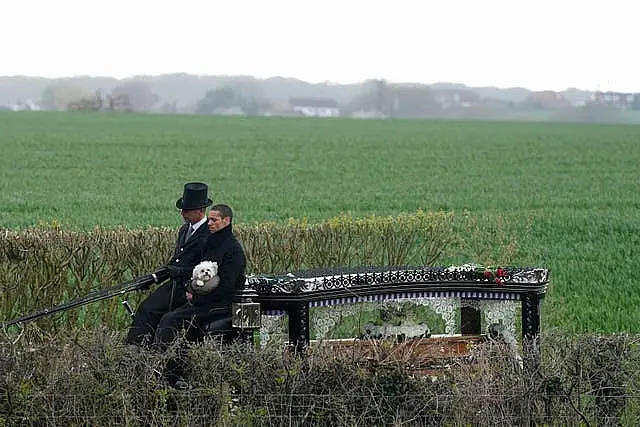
(194, 196)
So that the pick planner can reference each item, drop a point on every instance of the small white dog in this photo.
(204, 278)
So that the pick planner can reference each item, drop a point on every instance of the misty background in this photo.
(279, 96)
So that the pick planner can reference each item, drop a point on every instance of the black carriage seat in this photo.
(221, 329)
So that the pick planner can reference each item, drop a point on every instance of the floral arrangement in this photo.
(496, 275)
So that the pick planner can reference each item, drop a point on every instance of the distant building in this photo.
(27, 105)
(547, 100)
(455, 98)
(626, 101)
(315, 107)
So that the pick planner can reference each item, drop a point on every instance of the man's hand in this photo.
(173, 271)
(158, 276)
(161, 274)
(189, 296)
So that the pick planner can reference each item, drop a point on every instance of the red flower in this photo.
(497, 276)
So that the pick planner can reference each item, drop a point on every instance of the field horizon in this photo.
(567, 191)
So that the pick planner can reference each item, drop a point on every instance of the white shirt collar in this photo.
(198, 224)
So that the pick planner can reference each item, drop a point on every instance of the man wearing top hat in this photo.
(190, 242)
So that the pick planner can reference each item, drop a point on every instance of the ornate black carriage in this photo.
(462, 295)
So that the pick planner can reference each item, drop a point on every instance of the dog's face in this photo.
(205, 271)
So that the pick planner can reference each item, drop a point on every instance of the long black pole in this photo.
(95, 296)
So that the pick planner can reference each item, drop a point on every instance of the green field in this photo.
(570, 192)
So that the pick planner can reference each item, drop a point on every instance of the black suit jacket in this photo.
(223, 248)
(187, 255)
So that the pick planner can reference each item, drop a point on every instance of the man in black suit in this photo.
(201, 309)
(191, 239)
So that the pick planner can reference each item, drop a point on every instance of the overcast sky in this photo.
(542, 44)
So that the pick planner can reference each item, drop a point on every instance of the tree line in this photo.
(376, 98)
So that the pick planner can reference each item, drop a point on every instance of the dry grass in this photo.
(92, 377)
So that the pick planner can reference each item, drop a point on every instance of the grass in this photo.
(568, 191)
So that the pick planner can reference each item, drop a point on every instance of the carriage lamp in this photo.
(246, 313)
